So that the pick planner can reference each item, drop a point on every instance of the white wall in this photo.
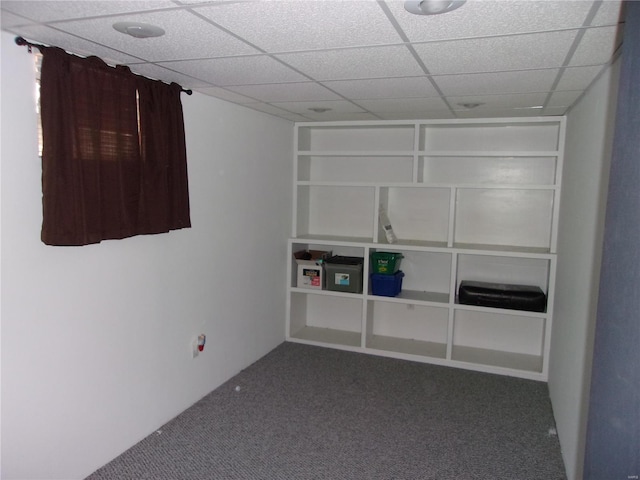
(96, 339)
(585, 179)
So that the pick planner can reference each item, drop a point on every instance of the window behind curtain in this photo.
(114, 157)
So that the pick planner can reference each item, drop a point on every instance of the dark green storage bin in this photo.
(344, 274)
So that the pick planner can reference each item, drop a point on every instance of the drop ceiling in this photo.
(356, 59)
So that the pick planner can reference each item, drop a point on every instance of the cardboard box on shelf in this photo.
(311, 268)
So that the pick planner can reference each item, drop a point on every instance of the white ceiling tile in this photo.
(517, 52)
(597, 47)
(79, 46)
(488, 102)
(578, 78)
(303, 108)
(309, 25)
(500, 112)
(342, 116)
(270, 109)
(497, 83)
(384, 88)
(238, 70)
(286, 92)
(483, 18)
(8, 20)
(409, 105)
(563, 98)
(555, 111)
(48, 11)
(225, 94)
(415, 115)
(183, 38)
(151, 70)
(377, 62)
(608, 13)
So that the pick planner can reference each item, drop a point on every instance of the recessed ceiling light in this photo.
(431, 7)
(470, 104)
(138, 30)
(319, 109)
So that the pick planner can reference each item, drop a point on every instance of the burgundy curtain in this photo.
(114, 158)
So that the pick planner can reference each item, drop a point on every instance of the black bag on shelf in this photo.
(498, 295)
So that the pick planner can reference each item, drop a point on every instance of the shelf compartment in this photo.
(335, 319)
(343, 250)
(504, 269)
(493, 358)
(333, 211)
(352, 168)
(356, 138)
(504, 340)
(407, 328)
(510, 217)
(498, 136)
(427, 275)
(501, 170)
(417, 214)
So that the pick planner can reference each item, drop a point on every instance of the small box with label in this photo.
(344, 274)
(310, 268)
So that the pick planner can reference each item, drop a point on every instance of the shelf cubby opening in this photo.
(500, 340)
(355, 169)
(406, 328)
(503, 269)
(487, 170)
(336, 212)
(367, 138)
(323, 318)
(500, 137)
(427, 275)
(418, 215)
(509, 217)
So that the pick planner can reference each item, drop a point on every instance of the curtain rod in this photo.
(30, 46)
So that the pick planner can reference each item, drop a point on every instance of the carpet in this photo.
(306, 412)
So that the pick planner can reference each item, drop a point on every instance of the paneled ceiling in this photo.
(354, 59)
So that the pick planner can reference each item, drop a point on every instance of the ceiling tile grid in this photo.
(309, 60)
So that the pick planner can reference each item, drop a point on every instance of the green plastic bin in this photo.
(386, 263)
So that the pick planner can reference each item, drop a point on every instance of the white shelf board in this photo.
(488, 153)
(330, 293)
(504, 250)
(408, 346)
(505, 311)
(328, 335)
(415, 297)
(355, 153)
(510, 360)
(331, 240)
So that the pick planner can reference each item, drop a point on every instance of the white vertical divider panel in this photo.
(294, 204)
(417, 174)
(365, 304)
(558, 179)
(453, 195)
(549, 317)
(452, 302)
(376, 216)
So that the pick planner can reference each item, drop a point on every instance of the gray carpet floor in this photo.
(304, 412)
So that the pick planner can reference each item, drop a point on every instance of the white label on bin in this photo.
(342, 279)
(311, 277)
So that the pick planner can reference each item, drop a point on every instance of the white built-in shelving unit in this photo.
(467, 199)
